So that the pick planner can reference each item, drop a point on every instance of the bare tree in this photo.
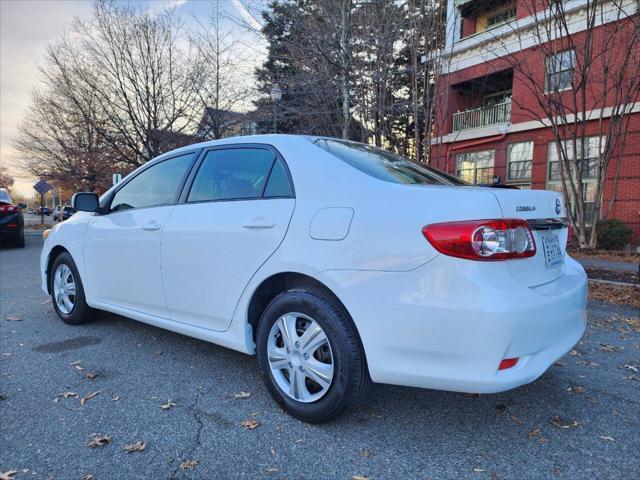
(224, 88)
(586, 92)
(141, 74)
(6, 180)
(56, 142)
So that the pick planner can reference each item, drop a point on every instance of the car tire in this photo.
(350, 378)
(19, 242)
(75, 311)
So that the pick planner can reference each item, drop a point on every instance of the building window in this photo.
(475, 167)
(519, 158)
(501, 16)
(559, 71)
(587, 150)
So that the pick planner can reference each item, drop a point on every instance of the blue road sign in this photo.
(42, 187)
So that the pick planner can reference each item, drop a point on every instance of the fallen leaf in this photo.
(116, 398)
(89, 397)
(272, 470)
(88, 476)
(478, 470)
(168, 405)
(576, 389)
(250, 423)
(574, 352)
(273, 451)
(365, 453)
(560, 364)
(609, 439)
(238, 396)
(14, 318)
(559, 422)
(189, 464)
(77, 362)
(135, 447)
(90, 375)
(516, 419)
(80, 368)
(533, 433)
(587, 364)
(607, 348)
(8, 475)
(631, 367)
(98, 440)
(359, 477)
(65, 394)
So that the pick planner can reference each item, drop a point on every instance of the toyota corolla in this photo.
(337, 263)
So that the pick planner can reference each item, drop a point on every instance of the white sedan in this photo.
(335, 262)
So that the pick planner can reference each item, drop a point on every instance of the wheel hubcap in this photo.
(300, 357)
(64, 289)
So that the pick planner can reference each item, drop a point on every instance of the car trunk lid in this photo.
(546, 214)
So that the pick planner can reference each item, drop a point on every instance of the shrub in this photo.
(613, 234)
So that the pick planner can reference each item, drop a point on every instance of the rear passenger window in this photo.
(233, 174)
(278, 184)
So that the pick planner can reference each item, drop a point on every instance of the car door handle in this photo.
(151, 226)
(258, 222)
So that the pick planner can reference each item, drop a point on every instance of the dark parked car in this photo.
(11, 220)
(44, 211)
(66, 213)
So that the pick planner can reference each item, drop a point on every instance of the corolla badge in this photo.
(525, 208)
(558, 206)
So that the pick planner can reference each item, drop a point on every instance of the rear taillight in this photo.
(482, 239)
(6, 208)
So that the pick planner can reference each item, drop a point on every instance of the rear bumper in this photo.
(447, 326)
(11, 232)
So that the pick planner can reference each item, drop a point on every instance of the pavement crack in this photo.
(195, 413)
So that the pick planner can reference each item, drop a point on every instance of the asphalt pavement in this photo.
(578, 421)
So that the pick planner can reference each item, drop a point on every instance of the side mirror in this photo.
(22, 205)
(85, 201)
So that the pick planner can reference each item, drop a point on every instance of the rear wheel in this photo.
(310, 356)
(19, 242)
(67, 292)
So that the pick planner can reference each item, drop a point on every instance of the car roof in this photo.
(275, 139)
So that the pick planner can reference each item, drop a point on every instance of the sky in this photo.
(28, 26)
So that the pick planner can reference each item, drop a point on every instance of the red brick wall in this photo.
(526, 108)
(529, 76)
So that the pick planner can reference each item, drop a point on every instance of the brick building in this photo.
(490, 126)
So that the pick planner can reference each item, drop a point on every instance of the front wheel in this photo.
(310, 356)
(67, 292)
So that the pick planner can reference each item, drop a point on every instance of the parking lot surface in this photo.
(182, 398)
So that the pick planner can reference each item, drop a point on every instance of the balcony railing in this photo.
(482, 116)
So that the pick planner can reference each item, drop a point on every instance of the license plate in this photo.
(553, 257)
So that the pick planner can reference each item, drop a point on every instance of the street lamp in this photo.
(276, 95)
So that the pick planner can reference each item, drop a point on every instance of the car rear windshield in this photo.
(4, 196)
(385, 165)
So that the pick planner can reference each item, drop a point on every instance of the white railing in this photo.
(482, 116)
